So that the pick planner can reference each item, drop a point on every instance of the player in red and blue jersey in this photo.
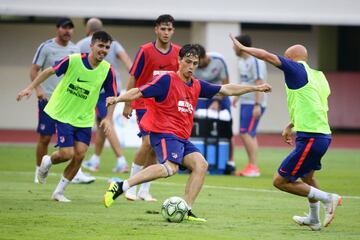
(169, 121)
(153, 58)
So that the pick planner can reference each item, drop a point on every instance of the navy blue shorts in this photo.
(306, 156)
(139, 115)
(46, 125)
(68, 134)
(169, 147)
(101, 109)
(248, 124)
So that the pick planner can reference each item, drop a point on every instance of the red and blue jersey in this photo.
(150, 62)
(109, 84)
(173, 108)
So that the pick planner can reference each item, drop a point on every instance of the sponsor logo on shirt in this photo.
(160, 72)
(185, 107)
(78, 91)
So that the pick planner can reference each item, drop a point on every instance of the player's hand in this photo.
(287, 133)
(264, 87)
(105, 124)
(235, 100)
(237, 44)
(24, 93)
(215, 105)
(256, 111)
(40, 94)
(127, 112)
(110, 101)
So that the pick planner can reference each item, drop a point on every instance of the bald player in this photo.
(307, 92)
(115, 54)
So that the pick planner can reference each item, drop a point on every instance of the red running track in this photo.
(265, 140)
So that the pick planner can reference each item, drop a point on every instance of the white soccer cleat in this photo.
(330, 208)
(60, 197)
(145, 196)
(44, 169)
(121, 168)
(305, 221)
(81, 177)
(91, 166)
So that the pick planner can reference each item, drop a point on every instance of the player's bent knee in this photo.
(169, 169)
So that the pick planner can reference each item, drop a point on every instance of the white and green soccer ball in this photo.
(174, 209)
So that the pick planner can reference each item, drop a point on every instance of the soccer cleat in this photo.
(306, 221)
(44, 169)
(330, 208)
(192, 217)
(146, 196)
(81, 177)
(91, 166)
(121, 168)
(114, 191)
(60, 197)
(249, 171)
(130, 196)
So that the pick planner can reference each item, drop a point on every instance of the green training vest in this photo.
(308, 106)
(74, 99)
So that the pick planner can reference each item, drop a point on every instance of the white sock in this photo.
(36, 172)
(314, 211)
(319, 195)
(62, 185)
(145, 187)
(121, 161)
(135, 169)
(125, 186)
(47, 163)
(95, 159)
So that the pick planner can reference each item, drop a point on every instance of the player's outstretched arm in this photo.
(129, 96)
(257, 52)
(232, 89)
(37, 81)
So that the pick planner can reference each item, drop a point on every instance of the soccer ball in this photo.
(174, 209)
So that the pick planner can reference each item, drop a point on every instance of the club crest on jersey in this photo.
(185, 107)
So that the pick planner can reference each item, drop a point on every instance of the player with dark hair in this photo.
(169, 120)
(72, 106)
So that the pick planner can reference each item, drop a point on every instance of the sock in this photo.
(314, 211)
(36, 172)
(121, 161)
(125, 186)
(145, 187)
(319, 195)
(135, 169)
(95, 159)
(231, 163)
(62, 185)
(47, 162)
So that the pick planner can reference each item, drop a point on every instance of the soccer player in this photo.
(153, 58)
(115, 54)
(307, 92)
(213, 69)
(48, 54)
(252, 72)
(169, 120)
(72, 106)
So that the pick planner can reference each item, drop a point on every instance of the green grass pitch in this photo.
(236, 208)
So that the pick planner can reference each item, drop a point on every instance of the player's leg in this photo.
(303, 160)
(144, 190)
(46, 128)
(121, 164)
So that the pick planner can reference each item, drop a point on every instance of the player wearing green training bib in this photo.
(307, 92)
(72, 105)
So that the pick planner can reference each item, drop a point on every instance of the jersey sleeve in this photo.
(138, 65)
(61, 67)
(109, 84)
(40, 55)
(208, 90)
(295, 74)
(157, 88)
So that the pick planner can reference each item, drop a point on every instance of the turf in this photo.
(236, 208)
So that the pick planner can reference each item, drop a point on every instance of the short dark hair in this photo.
(189, 50)
(165, 18)
(202, 51)
(101, 36)
(244, 40)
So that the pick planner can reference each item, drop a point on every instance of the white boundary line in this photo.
(177, 184)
